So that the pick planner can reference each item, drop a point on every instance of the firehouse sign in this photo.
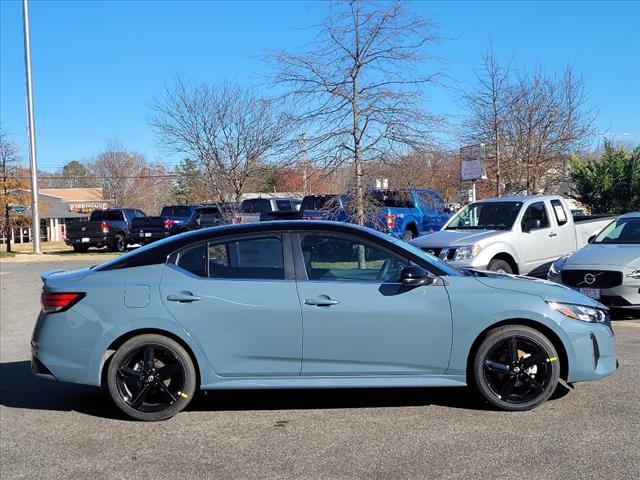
(472, 163)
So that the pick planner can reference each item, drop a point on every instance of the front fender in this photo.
(490, 251)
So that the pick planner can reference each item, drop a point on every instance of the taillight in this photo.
(53, 302)
(105, 227)
(391, 220)
(168, 223)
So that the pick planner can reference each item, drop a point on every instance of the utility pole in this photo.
(304, 161)
(35, 216)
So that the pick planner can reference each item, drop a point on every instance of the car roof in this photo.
(630, 215)
(519, 198)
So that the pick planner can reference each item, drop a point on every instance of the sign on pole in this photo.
(472, 163)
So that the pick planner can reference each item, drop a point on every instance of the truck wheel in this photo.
(516, 368)
(119, 243)
(408, 235)
(501, 266)
(80, 249)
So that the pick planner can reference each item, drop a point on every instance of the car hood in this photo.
(544, 289)
(606, 254)
(455, 238)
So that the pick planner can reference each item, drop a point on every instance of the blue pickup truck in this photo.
(403, 213)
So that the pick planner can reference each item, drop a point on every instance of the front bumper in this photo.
(625, 296)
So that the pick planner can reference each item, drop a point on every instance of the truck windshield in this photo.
(486, 216)
(622, 230)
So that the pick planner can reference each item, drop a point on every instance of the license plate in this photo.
(85, 239)
(141, 234)
(591, 292)
(147, 234)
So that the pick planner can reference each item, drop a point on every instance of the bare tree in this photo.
(12, 181)
(358, 87)
(117, 171)
(488, 103)
(230, 132)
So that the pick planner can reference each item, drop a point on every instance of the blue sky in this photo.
(98, 64)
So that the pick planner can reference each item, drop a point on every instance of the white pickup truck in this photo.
(521, 234)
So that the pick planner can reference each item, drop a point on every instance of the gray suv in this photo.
(608, 267)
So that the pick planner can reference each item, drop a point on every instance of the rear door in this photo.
(238, 300)
(358, 320)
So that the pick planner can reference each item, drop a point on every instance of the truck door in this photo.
(539, 244)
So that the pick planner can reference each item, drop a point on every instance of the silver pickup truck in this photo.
(521, 234)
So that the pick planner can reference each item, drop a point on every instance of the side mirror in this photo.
(531, 224)
(415, 276)
(591, 238)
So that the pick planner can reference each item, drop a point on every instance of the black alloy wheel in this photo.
(516, 368)
(151, 377)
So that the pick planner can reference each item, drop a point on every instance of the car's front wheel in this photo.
(516, 368)
(151, 377)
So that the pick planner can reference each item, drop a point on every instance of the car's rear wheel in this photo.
(516, 368)
(119, 243)
(151, 377)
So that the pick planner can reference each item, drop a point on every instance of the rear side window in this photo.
(182, 211)
(257, 258)
(558, 209)
(194, 260)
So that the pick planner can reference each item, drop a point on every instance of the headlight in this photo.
(557, 265)
(635, 274)
(464, 253)
(579, 312)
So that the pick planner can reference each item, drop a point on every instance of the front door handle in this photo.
(183, 297)
(553, 234)
(321, 301)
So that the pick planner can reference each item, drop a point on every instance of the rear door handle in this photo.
(183, 297)
(321, 301)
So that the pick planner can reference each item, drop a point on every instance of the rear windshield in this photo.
(167, 212)
(96, 216)
(319, 202)
(182, 211)
(393, 198)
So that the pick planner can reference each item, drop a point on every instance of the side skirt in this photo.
(339, 382)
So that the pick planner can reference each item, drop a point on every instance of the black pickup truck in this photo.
(105, 228)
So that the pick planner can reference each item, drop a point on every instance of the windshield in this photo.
(622, 230)
(486, 216)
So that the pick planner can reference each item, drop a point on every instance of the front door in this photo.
(358, 320)
(539, 245)
(238, 300)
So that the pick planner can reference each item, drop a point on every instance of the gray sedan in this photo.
(608, 268)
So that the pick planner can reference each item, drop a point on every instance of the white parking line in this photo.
(4, 273)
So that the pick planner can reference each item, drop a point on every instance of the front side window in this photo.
(536, 211)
(334, 258)
(259, 258)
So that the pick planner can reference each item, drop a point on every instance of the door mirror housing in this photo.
(591, 238)
(531, 224)
(415, 276)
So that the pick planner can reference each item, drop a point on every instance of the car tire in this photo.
(119, 243)
(408, 235)
(151, 377)
(516, 368)
(499, 265)
(80, 249)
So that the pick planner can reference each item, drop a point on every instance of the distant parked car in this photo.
(105, 228)
(521, 234)
(309, 305)
(261, 209)
(172, 220)
(403, 213)
(608, 267)
(211, 216)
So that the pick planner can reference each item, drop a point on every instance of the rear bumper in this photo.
(93, 241)
(146, 236)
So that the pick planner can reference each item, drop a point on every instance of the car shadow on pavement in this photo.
(19, 388)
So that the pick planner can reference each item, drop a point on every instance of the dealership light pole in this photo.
(35, 216)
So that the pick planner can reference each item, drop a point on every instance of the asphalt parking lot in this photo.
(54, 430)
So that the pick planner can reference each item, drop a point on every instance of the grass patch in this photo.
(7, 254)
